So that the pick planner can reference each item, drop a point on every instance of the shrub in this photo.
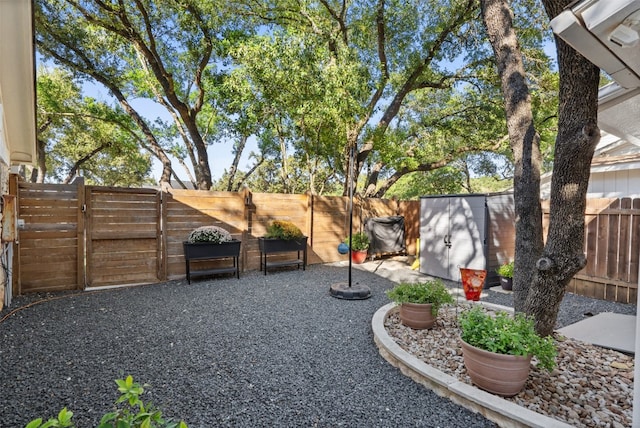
(505, 334)
(213, 234)
(132, 413)
(282, 229)
(359, 241)
(506, 270)
(434, 292)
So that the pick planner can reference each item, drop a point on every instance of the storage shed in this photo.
(475, 231)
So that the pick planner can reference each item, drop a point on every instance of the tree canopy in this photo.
(410, 85)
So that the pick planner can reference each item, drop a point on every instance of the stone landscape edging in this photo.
(504, 413)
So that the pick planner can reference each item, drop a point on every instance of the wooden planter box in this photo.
(199, 251)
(274, 246)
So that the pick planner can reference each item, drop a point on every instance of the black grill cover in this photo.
(386, 234)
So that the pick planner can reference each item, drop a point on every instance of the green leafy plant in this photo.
(213, 234)
(359, 241)
(132, 412)
(505, 270)
(503, 333)
(434, 292)
(282, 229)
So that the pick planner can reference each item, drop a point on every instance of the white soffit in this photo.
(619, 112)
(17, 88)
(588, 27)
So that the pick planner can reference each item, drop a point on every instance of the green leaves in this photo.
(133, 414)
(434, 292)
(505, 334)
(63, 420)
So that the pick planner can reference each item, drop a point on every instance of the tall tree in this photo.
(136, 49)
(77, 133)
(543, 272)
(401, 57)
(578, 135)
(524, 141)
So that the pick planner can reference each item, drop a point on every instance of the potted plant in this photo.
(505, 272)
(420, 302)
(282, 236)
(359, 246)
(497, 349)
(209, 243)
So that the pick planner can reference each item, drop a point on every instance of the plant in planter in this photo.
(211, 234)
(282, 237)
(505, 272)
(359, 246)
(497, 349)
(208, 243)
(420, 302)
(285, 230)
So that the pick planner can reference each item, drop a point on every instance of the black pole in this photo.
(341, 290)
(350, 209)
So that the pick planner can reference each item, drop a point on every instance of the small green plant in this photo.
(434, 292)
(503, 333)
(359, 241)
(505, 270)
(132, 413)
(282, 229)
(213, 234)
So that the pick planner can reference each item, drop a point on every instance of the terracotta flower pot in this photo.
(417, 315)
(358, 257)
(499, 374)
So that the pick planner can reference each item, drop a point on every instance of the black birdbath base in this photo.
(342, 290)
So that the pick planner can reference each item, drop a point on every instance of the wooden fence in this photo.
(612, 247)
(75, 236)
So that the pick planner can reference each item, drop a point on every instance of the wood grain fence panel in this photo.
(613, 241)
(48, 240)
(186, 210)
(330, 227)
(121, 248)
(411, 212)
(601, 246)
(270, 207)
(624, 241)
(591, 243)
(634, 247)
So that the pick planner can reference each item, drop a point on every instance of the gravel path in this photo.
(271, 350)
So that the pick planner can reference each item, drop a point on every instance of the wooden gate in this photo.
(72, 237)
(124, 239)
(49, 251)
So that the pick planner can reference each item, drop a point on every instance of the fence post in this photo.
(247, 196)
(80, 233)
(162, 233)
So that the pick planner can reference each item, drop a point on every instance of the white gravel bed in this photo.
(590, 387)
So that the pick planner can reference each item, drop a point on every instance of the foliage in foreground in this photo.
(505, 334)
(132, 412)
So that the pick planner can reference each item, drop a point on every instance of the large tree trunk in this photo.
(525, 143)
(578, 134)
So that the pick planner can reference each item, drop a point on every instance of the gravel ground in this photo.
(271, 350)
